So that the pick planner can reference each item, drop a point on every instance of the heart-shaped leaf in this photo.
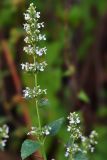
(28, 148)
(55, 126)
(80, 156)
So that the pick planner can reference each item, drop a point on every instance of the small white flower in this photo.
(41, 37)
(4, 131)
(27, 16)
(41, 51)
(69, 128)
(83, 138)
(66, 154)
(26, 39)
(46, 130)
(40, 25)
(68, 149)
(78, 120)
(45, 91)
(92, 149)
(72, 121)
(4, 142)
(37, 14)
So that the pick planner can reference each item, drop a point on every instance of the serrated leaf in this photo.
(55, 126)
(80, 156)
(83, 97)
(28, 148)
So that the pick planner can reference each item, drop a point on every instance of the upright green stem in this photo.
(43, 152)
(38, 115)
(37, 109)
(71, 158)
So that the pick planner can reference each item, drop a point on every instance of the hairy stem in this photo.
(71, 157)
(43, 152)
(38, 115)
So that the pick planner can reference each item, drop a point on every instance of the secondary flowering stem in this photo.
(78, 143)
(43, 152)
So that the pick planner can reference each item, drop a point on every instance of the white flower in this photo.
(78, 120)
(31, 133)
(31, 4)
(92, 149)
(66, 154)
(4, 131)
(26, 40)
(33, 66)
(26, 93)
(40, 25)
(41, 51)
(68, 149)
(32, 93)
(46, 130)
(83, 138)
(4, 142)
(69, 128)
(27, 27)
(72, 121)
(37, 14)
(41, 37)
(27, 16)
(45, 91)
(29, 49)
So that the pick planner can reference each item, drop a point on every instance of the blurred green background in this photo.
(76, 76)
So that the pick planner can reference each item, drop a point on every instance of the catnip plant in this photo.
(4, 131)
(33, 48)
(77, 143)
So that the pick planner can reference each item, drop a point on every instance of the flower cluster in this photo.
(92, 140)
(45, 131)
(37, 51)
(71, 150)
(73, 126)
(32, 40)
(4, 131)
(88, 143)
(33, 67)
(78, 142)
(32, 28)
(33, 93)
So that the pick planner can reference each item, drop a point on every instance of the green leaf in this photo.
(70, 71)
(75, 15)
(80, 156)
(28, 148)
(43, 102)
(55, 126)
(83, 97)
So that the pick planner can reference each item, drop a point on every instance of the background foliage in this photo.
(76, 77)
